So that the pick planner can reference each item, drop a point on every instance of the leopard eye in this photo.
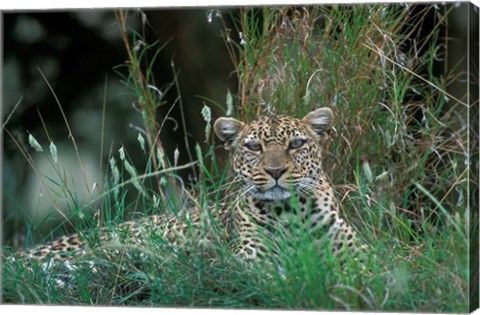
(296, 143)
(253, 146)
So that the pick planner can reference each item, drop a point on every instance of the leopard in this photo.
(277, 168)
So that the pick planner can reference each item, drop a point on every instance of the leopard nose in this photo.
(276, 171)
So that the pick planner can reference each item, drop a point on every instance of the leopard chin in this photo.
(275, 193)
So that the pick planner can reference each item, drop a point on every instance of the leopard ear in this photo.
(227, 130)
(320, 120)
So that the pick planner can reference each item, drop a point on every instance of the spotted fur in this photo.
(278, 162)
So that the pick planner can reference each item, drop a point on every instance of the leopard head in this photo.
(274, 156)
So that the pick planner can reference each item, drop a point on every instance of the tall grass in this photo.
(397, 160)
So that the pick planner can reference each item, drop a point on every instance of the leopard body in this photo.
(277, 163)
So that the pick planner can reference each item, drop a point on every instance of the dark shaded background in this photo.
(77, 52)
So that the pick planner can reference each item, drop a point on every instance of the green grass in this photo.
(206, 274)
(397, 165)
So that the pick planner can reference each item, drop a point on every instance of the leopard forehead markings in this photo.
(275, 129)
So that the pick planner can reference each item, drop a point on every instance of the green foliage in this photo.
(398, 165)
